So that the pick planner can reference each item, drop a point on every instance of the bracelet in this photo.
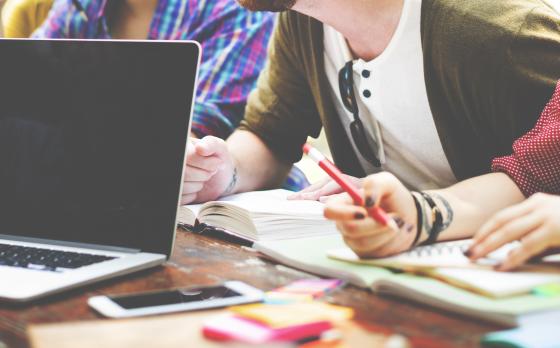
(437, 219)
(419, 219)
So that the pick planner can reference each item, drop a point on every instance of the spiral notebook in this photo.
(446, 262)
(494, 298)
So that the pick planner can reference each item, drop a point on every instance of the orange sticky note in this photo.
(277, 316)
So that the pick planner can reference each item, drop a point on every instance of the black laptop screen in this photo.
(92, 139)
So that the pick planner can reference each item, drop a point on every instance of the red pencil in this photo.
(375, 212)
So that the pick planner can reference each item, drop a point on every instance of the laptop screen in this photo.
(92, 139)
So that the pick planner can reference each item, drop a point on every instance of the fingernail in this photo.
(399, 221)
(370, 201)
(359, 216)
(467, 253)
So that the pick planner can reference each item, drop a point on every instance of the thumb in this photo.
(209, 146)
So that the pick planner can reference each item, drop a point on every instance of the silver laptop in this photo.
(92, 150)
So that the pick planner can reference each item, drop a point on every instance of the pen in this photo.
(80, 9)
(375, 212)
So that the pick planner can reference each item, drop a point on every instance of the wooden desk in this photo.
(201, 261)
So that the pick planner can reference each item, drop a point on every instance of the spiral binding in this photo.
(440, 249)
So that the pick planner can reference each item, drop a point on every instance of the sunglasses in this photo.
(367, 149)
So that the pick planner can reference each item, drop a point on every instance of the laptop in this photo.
(93, 138)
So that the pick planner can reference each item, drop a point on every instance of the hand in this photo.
(535, 222)
(210, 170)
(321, 190)
(362, 233)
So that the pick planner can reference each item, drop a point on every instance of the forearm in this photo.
(256, 166)
(467, 205)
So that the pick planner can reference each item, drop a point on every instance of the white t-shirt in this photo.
(397, 112)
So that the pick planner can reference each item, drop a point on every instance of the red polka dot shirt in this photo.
(534, 164)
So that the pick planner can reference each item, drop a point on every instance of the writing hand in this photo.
(362, 233)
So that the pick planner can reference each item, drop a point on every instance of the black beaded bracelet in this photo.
(437, 219)
(419, 219)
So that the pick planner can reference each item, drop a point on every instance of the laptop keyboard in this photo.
(46, 259)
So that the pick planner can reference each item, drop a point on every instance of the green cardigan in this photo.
(490, 68)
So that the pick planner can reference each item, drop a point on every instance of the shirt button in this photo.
(366, 73)
(367, 93)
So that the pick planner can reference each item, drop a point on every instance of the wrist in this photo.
(233, 183)
(425, 219)
(231, 187)
(422, 227)
(437, 215)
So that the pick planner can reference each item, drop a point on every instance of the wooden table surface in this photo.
(197, 260)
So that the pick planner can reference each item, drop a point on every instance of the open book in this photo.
(258, 216)
(311, 255)
(445, 261)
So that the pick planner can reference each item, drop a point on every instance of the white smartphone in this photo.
(177, 300)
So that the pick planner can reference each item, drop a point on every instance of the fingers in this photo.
(314, 186)
(368, 246)
(345, 212)
(533, 244)
(513, 230)
(206, 153)
(359, 228)
(188, 199)
(193, 174)
(210, 164)
(502, 218)
(342, 208)
(192, 187)
(209, 146)
(323, 188)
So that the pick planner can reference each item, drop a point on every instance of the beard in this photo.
(267, 5)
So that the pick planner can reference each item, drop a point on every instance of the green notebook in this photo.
(310, 254)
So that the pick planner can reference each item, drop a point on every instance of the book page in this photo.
(274, 202)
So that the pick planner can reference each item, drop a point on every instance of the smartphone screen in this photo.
(162, 298)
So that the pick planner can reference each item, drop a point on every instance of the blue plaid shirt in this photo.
(233, 42)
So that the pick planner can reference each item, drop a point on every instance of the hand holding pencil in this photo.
(361, 215)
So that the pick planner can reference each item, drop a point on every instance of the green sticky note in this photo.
(548, 290)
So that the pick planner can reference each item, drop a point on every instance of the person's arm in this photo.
(535, 166)
(280, 115)
(217, 168)
(234, 42)
(464, 207)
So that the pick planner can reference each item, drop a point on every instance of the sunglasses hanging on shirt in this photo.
(367, 148)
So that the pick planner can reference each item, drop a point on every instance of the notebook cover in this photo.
(298, 254)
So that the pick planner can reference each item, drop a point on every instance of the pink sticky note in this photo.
(314, 287)
(230, 327)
